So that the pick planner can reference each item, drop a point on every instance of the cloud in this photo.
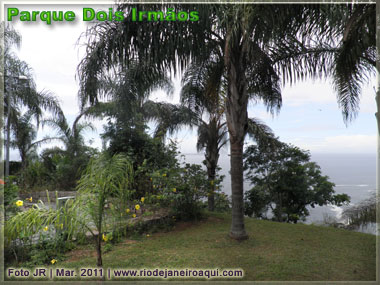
(339, 144)
(308, 92)
(309, 116)
(322, 92)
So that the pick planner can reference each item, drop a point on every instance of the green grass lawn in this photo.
(274, 251)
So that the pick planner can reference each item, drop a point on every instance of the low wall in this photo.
(42, 195)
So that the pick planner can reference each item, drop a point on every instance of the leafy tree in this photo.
(285, 180)
(128, 91)
(128, 134)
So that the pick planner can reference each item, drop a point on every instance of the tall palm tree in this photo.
(20, 90)
(204, 93)
(259, 44)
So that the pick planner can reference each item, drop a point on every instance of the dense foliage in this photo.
(285, 181)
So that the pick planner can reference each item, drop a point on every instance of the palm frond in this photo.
(261, 133)
(169, 117)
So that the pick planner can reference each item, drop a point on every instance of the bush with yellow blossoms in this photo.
(182, 189)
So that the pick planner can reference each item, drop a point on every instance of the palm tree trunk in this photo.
(8, 141)
(237, 226)
(24, 161)
(212, 157)
(98, 240)
(237, 122)
(211, 172)
(99, 228)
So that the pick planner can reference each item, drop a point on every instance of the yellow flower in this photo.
(19, 203)
(105, 238)
(46, 228)
(53, 261)
(148, 235)
(137, 207)
(30, 199)
(164, 175)
(142, 199)
(134, 216)
(127, 210)
(174, 190)
(151, 179)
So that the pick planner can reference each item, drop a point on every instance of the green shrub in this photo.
(107, 247)
(49, 249)
(222, 202)
(180, 189)
(10, 195)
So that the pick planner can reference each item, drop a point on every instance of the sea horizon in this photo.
(352, 173)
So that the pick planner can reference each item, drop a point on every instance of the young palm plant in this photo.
(105, 178)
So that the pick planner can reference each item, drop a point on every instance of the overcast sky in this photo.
(309, 118)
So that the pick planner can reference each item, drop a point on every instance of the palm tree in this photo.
(72, 137)
(169, 118)
(204, 92)
(25, 135)
(259, 44)
(20, 90)
(75, 153)
(105, 178)
(127, 90)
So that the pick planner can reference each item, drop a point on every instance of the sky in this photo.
(309, 118)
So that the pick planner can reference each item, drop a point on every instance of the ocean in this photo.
(353, 174)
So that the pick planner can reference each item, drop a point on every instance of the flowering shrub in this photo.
(181, 189)
(37, 235)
